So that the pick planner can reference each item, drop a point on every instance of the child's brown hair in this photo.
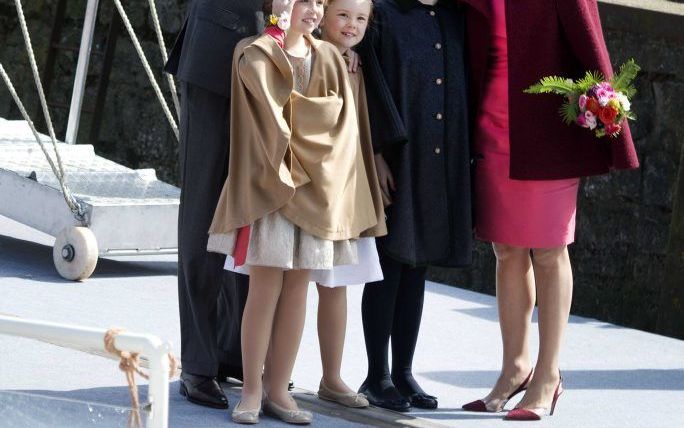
(329, 2)
(267, 6)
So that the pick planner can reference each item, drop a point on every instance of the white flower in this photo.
(624, 101)
(284, 21)
(590, 119)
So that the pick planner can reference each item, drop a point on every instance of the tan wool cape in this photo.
(298, 154)
(359, 90)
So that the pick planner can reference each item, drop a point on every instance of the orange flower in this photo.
(593, 105)
(608, 114)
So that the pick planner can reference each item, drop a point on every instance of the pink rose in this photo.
(603, 96)
(581, 121)
(583, 102)
(587, 119)
(604, 93)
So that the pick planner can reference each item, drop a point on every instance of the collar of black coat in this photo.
(406, 5)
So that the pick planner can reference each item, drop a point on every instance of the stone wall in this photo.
(623, 219)
(135, 131)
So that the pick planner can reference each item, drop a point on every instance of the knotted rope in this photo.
(129, 363)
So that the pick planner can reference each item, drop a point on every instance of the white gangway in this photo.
(110, 210)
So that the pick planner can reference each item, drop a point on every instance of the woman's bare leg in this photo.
(553, 276)
(288, 326)
(332, 327)
(265, 286)
(515, 301)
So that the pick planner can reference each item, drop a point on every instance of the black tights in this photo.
(393, 308)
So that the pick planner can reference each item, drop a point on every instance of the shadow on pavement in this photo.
(638, 379)
(30, 260)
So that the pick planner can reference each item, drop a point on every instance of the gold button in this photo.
(438, 150)
(438, 116)
(438, 81)
(432, 13)
(438, 46)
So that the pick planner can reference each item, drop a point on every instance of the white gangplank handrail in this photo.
(80, 338)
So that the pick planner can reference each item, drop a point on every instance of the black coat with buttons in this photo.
(413, 62)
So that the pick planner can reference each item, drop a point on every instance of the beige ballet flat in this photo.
(249, 417)
(297, 417)
(347, 399)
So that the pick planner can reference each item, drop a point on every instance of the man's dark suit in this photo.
(201, 59)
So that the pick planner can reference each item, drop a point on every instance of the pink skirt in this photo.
(523, 213)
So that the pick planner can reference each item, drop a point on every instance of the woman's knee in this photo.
(505, 252)
(550, 257)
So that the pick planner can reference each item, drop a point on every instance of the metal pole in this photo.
(81, 71)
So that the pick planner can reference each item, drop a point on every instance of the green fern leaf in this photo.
(622, 81)
(590, 79)
(552, 85)
(569, 112)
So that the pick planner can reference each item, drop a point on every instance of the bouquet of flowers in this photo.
(593, 102)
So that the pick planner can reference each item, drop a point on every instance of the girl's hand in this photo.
(280, 6)
(385, 178)
(354, 61)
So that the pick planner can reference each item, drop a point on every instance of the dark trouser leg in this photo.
(203, 160)
(231, 305)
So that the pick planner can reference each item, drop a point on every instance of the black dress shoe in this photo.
(203, 390)
(226, 371)
(385, 395)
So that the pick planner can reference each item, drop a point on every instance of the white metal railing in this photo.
(84, 338)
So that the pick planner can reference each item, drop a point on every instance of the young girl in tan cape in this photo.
(344, 25)
(294, 200)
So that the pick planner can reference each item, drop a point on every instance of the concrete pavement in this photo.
(614, 376)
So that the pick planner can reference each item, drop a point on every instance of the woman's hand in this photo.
(354, 61)
(385, 178)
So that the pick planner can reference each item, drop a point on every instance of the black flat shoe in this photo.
(409, 388)
(203, 390)
(387, 397)
(423, 401)
(226, 371)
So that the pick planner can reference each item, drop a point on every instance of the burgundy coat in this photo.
(547, 37)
